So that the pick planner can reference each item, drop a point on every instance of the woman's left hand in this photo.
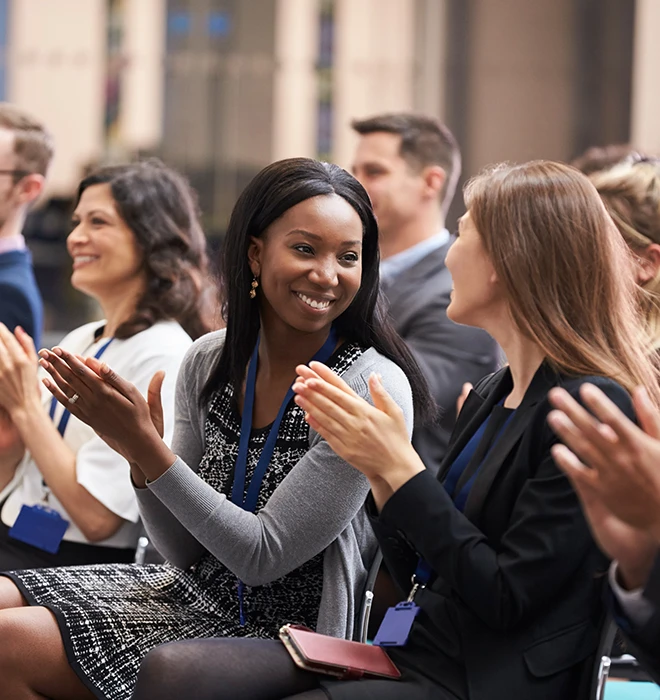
(113, 407)
(374, 439)
(19, 386)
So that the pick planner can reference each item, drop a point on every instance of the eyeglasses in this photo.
(16, 173)
(635, 158)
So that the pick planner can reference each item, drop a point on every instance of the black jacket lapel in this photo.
(475, 411)
(544, 379)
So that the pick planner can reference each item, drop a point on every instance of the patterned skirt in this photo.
(110, 616)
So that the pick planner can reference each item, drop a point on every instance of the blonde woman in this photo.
(631, 193)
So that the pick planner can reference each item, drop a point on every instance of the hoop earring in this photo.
(253, 290)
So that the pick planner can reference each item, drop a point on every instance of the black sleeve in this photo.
(545, 543)
(400, 558)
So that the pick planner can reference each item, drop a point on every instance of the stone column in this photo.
(645, 112)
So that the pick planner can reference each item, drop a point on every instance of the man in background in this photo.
(410, 165)
(26, 149)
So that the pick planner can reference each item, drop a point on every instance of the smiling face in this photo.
(106, 257)
(309, 264)
(476, 298)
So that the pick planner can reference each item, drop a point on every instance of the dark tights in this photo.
(224, 669)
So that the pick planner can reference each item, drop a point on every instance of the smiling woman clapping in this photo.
(503, 578)
(138, 249)
(260, 521)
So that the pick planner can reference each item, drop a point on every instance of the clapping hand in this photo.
(19, 387)
(113, 407)
(374, 439)
(614, 467)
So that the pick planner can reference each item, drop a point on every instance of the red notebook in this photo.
(336, 657)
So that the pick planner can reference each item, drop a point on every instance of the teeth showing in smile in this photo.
(311, 302)
(85, 258)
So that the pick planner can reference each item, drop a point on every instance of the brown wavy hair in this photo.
(631, 193)
(566, 271)
(160, 208)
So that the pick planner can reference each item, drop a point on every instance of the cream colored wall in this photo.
(56, 70)
(374, 64)
(141, 117)
(645, 113)
(295, 92)
(430, 70)
(521, 81)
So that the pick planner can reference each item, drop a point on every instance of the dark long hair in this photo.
(160, 209)
(272, 192)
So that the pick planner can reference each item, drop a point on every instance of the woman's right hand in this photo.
(112, 407)
(155, 411)
(153, 394)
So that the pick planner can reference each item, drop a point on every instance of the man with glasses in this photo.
(410, 164)
(26, 149)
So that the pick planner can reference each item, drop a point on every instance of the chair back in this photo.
(601, 662)
(362, 631)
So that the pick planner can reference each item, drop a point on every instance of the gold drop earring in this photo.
(253, 290)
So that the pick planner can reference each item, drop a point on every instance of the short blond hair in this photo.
(33, 144)
(631, 194)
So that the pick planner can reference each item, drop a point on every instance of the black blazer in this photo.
(517, 603)
(645, 641)
(448, 354)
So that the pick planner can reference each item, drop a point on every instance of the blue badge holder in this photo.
(395, 627)
(40, 526)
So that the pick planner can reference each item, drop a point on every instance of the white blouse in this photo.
(99, 469)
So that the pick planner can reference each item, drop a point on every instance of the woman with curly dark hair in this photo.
(139, 250)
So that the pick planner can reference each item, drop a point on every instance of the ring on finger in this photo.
(74, 398)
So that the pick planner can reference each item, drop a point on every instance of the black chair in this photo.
(146, 553)
(600, 668)
(362, 631)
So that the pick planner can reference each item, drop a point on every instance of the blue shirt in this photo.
(392, 267)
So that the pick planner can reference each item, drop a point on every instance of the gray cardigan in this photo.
(318, 506)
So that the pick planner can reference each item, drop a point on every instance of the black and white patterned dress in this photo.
(110, 616)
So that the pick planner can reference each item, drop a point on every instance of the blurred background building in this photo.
(220, 88)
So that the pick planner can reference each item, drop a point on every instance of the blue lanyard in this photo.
(249, 501)
(423, 572)
(66, 414)
(462, 461)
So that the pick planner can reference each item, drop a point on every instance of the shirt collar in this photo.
(11, 243)
(395, 265)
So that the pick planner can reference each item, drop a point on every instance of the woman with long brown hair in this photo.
(507, 579)
(631, 193)
(139, 251)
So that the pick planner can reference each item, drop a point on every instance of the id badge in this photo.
(40, 526)
(395, 627)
